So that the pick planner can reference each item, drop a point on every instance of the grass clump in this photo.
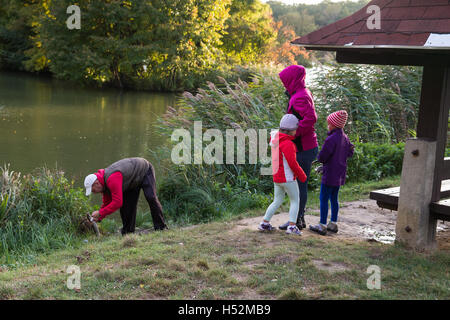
(6, 293)
(202, 264)
(129, 242)
(292, 294)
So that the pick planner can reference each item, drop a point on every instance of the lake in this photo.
(45, 122)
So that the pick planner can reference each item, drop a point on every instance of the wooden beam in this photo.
(446, 174)
(433, 117)
(441, 208)
(388, 198)
(400, 58)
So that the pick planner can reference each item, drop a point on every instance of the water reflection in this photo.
(47, 122)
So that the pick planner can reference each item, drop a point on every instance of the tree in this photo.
(249, 31)
(121, 42)
(283, 52)
(15, 33)
(302, 22)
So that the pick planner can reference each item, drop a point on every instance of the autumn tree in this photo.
(283, 52)
(249, 31)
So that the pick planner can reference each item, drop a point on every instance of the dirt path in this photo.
(358, 220)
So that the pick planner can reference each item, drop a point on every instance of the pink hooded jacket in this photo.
(293, 78)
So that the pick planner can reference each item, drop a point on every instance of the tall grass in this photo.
(39, 212)
(382, 103)
(195, 193)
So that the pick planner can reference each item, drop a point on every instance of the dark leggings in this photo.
(130, 201)
(305, 160)
(328, 193)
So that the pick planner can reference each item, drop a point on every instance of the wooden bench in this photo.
(388, 199)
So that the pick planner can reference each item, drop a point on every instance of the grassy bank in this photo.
(215, 261)
(41, 213)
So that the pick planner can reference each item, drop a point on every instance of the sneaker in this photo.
(263, 226)
(293, 230)
(332, 226)
(319, 228)
(284, 226)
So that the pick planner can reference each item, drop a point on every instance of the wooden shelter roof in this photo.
(405, 24)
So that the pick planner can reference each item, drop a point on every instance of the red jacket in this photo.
(285, 167)
(293, 78)
(112, 200)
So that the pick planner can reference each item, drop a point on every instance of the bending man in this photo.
(120, 184)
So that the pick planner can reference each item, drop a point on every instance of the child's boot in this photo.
(319, 228)
(332, 227)
(301, 224)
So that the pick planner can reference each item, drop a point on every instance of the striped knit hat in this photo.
(338, 118)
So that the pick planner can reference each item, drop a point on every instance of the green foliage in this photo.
(370, 162)
(152, 45)
(122, 43)
(317, 15)
(382, 101)
(15, 33)
(374, 161)
(248, 33)
(301, 21)
(42, 212)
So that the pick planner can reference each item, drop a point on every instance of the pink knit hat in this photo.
(338, 118)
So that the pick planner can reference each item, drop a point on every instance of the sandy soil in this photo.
(358, 220)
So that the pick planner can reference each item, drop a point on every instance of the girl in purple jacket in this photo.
(335, 151)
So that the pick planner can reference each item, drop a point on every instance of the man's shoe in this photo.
(319, 228)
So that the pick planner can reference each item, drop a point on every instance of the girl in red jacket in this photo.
(285, 170)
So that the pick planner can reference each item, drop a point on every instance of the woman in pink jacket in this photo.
(301, 105)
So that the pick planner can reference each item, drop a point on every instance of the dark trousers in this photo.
(329, 193)
(130, 201)
(305, 160)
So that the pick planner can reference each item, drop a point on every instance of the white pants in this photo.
(280, 190)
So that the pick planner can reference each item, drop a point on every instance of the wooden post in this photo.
(423, 163)
(433, 116)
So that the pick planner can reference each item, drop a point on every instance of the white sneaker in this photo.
(293, 230)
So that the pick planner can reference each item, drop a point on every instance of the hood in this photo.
(293, 78)
(100, 176)
(277, 137)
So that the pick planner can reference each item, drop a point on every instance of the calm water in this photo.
(48, 122)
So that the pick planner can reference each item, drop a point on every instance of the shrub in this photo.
(375, 161)
(43, 212)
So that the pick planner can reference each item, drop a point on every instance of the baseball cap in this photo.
(88, 182)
